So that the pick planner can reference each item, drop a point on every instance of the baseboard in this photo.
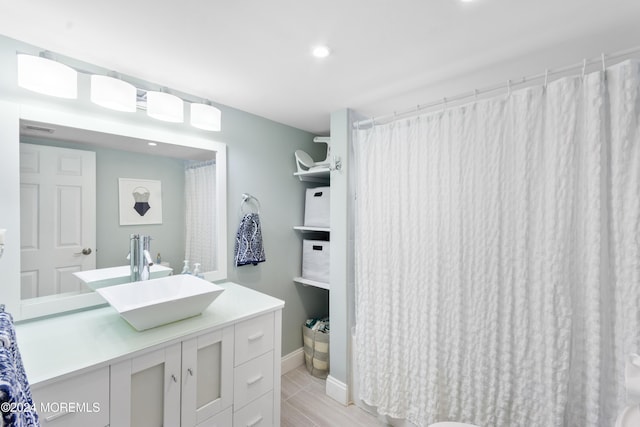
(337, 390)
(292, 360)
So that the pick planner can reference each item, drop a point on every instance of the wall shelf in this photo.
(307, 282)
(309, 229)
(316, 175)
(321, 175)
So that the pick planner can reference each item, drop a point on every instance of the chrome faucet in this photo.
(139, 257)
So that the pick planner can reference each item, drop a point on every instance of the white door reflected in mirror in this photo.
(57, 219)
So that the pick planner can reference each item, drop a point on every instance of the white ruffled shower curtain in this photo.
(498, 256)
(200, 212)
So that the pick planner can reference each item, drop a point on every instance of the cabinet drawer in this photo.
(257, 414)
(223, 419)
(253, 379)
(79, 401)
(253, 338)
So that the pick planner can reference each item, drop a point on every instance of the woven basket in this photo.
(316, 352)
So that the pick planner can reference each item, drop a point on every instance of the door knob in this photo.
(85, 251)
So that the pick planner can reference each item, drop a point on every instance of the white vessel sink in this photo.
(102, 277)
(155, 302)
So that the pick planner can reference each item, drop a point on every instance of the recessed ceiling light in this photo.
(153, 144)
(321, 51)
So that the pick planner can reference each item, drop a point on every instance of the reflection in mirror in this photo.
(83, 193)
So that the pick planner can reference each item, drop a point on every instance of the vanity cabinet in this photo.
(219, 369)
(181, 385)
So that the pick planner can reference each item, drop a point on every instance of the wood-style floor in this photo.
(305, 404)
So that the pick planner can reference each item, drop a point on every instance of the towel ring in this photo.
(248, 198)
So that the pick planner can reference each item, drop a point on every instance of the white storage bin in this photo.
(316, 207)
(315, 260)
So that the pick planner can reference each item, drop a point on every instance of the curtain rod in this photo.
(501, 86)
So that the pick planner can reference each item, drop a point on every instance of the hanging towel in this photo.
(249, 249)
(14, 387)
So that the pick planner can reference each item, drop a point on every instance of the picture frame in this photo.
(140, 201)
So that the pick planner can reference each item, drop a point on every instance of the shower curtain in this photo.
(200, 214)
(498, 258)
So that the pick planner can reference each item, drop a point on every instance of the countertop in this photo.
(84, 340)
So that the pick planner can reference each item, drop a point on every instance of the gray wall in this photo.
(260, 162)
(112, 239)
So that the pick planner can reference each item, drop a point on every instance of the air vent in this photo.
(39, 129)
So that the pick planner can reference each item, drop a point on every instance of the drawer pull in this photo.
(254, 380)
(56, 416)
(256, 336)
(255, 422)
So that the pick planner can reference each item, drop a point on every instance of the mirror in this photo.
(92, 227)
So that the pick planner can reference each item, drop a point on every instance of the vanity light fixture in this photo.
(113, 93)
(164, 106)
(46, 76)
(206, 116)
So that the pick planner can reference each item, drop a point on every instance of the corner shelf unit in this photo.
(321, 175)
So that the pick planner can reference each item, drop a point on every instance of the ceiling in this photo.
(387, 55)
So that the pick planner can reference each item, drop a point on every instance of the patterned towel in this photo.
(16, 404)
(249, 249)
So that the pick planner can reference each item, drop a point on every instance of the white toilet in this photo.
(630, 416)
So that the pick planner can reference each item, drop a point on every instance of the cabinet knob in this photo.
(173, 377)
(190, 371)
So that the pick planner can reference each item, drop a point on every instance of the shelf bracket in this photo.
(337, 164)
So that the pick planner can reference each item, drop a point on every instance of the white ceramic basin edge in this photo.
(156, 302)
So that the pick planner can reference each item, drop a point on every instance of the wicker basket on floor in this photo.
(316, 352)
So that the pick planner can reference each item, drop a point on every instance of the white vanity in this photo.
(221, 368)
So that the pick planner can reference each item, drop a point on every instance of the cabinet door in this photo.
(207, 376)
(77, 401)
(145, 390)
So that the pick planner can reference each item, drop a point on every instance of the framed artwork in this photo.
(140, 201)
